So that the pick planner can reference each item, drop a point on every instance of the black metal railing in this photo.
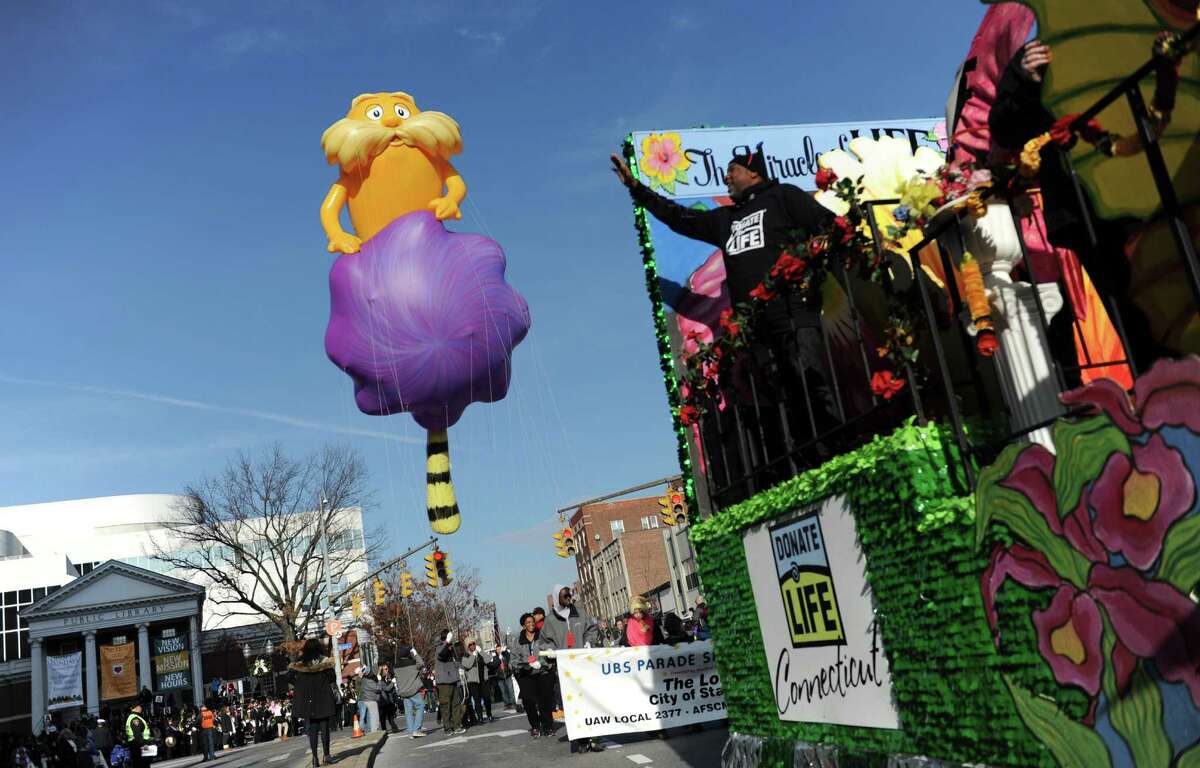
(778, 412)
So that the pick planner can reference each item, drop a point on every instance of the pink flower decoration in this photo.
(1136, 502)
(1152, 620)
(1033, 476)
(663, 156)
(1069, 638)
(1166, 395)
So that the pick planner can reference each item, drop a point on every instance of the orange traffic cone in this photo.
(357, 729)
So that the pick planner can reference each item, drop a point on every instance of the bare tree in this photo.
(418, 620)
(254, 534)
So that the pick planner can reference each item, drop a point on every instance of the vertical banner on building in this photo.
(171, 660)
(648, 688)
(814, 605)
(64, 681)
(118, 672)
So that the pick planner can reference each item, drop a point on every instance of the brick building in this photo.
(623, 551)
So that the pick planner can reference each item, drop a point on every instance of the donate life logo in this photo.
(806, 583)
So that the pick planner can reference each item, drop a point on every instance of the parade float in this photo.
(992, 558)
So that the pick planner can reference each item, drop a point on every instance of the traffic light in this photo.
(380, 592)
(564, 543)
(406, 586)
(356, 606)
(667, 515)
(431, 575)
(442, 562)
(678, 506)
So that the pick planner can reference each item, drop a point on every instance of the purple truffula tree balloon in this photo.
(423, 322)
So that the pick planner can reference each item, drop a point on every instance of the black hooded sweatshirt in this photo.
(752, 232)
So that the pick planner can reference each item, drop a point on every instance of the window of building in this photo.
(649, 522)
(14, 629)
(618, 527)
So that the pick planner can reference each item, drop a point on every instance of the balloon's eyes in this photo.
(375, 112)
(401, 111)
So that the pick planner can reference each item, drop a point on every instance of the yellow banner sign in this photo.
(171, 662)
(118, 674)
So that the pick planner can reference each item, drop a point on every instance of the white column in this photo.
(91, 665)
(37, 685)
(1023, 362)
(197, 673)
(143, 643)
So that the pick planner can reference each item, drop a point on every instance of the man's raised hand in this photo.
(622, 170)
(1035, 59)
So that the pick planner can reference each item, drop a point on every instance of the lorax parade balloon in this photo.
(420, 318)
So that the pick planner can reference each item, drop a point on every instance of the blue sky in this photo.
(165, 291)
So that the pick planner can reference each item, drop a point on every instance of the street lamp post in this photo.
(334, 642)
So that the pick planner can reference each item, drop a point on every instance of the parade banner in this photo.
(817, 619)
(64, 681)
(649, 688)
(118, 674)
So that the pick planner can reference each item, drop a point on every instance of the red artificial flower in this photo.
(884, 384)
(986, 343)
(843, 228)
(1060, 132)
(953, 191)
(817, 246)
(727, 324)
(788, 268)
(762, 293)
(826, 178)
(689, 415)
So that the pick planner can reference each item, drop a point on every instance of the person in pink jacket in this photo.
(642, 628)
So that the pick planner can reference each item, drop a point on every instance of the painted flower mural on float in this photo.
(662, 161)
(1111, 524)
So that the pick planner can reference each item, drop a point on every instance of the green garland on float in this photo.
(662, 335)
(917, 533)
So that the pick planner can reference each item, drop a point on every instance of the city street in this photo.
(292, 753)
(506, 742)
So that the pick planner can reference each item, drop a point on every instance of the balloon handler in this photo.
(421, 318)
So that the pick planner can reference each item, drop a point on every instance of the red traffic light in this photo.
(439, 555)
(567, 533)
(676, 498)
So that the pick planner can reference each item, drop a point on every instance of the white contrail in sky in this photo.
(280, 418)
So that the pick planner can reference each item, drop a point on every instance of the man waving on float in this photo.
(752, 233)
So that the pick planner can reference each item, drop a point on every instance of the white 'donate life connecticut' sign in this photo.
(814, 606)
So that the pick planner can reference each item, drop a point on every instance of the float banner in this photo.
(650, 688)
(64, 681)
(815, 609)
(118, 676)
